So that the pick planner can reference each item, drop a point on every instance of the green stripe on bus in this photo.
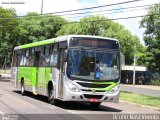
(44, 42)
(113, 84)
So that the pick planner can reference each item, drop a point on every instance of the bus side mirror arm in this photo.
(65, 56)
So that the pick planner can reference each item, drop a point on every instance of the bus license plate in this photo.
(93, 100)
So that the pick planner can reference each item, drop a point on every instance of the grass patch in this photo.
(140, 99)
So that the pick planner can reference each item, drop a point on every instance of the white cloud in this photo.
(130, 24)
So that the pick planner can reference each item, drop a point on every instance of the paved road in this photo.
(141, 90)
(37, 107)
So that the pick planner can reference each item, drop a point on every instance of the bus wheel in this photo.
(51, 98)
(95, 105)
(22, 87)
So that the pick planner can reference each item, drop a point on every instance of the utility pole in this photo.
(42, 7)
(134, 71)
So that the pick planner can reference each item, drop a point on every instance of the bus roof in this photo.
(58, 39)
(34, 44)
(64, 38)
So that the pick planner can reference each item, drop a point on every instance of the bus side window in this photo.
(18, 59)
(47, 56)
(41, 57)
(37, 56)
(27, 58)
(15, 59)
(54, 55)
(31, 57)
(23, 58)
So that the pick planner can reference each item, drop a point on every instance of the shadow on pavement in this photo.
(5, 79)
(70, 105)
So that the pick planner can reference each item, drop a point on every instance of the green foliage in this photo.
(155, 82)
(102, 26)
(18, 31)
(151, 23)
(34, 27)
(8, 34)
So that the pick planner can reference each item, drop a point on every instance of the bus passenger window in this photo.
(42, 57)
(47, 56)
(31, 57)
(54, 56)
(23, 58)
(15, 59)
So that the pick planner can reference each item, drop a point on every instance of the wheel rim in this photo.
(51, 96)
(22, 89)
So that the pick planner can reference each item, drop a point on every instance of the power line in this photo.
(110, 12)
(88, 8)
(94, 11)
(122, 18)
(107, 10)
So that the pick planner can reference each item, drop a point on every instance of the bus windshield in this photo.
(92, 65)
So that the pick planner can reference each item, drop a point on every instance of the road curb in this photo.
(139, 105)
(4, 79)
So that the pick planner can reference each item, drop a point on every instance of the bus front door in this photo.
(61, 73)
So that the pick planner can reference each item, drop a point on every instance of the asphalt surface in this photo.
(141, 90)
(30, 107)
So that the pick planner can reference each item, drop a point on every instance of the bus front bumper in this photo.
(91, 96)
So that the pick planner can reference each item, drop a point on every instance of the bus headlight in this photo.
(72, 87)
(114, 89)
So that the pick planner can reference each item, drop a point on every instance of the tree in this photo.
(17, 31)
(8, 34)
(35, 27)
(151, 23)
(102, 26)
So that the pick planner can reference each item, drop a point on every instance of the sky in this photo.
(51, 6)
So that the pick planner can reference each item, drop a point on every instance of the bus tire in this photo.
(22, 87)
(51, 98)
(95, 105)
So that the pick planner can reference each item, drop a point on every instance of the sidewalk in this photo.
(5, 77)
(144, 86)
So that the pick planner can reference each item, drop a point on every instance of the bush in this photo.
(155, 82)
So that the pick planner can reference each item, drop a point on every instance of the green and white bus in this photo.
(69, 68)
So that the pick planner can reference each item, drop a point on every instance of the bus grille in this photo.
(93, 96)
(90, 85)
(95, 91)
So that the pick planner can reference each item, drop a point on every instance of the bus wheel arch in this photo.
(22, 86)
(51, 98)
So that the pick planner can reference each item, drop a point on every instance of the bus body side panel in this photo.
(55, 79)
(48, 75)
(27, 73)
(43, 77)
(14, 76)
(34, 77)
